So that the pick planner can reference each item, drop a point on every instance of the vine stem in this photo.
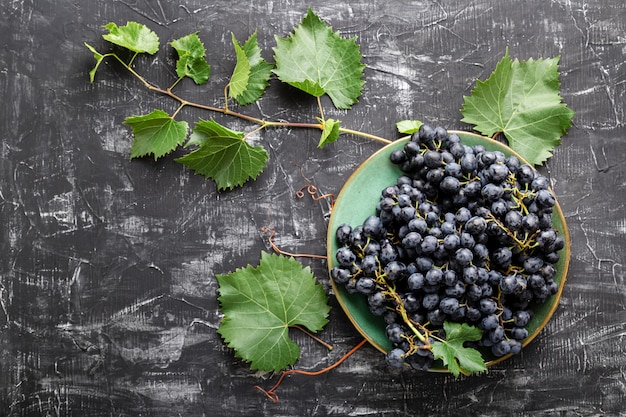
(312, 336)
(276, 249)
(365, 135)
(271, 393)
(319, 104)
(133, 58)
(226, 110)
(180, 107)
(179, 79)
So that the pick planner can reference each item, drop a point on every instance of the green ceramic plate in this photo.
(357, 201)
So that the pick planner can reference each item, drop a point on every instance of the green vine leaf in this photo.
(260, 304)
(251, 84)
(133, 36)
(330, 133)
(191, 58)
(408, 127)
(156, 134)
(98, 57)
(318, 61)
(223, 155)
(522, 101)
(241, 73)
(456, 357)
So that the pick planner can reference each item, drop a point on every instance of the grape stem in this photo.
(523, 244)
(401, 310)
(227, 111)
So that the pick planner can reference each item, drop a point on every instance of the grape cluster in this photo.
(465, 235)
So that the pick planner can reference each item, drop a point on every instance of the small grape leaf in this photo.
(223, 155)
(260, 304)
(456, 357)
(205, 130)
(134, 36)
(522, 101)
(191, 62)
(254, 81)
(330, 133)
(408, 127)
(156, 133)
(98, 57)
(260, 75)
(241, 73)
(189, 45)
(318, 61)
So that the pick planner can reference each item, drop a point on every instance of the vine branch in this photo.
(226, 110)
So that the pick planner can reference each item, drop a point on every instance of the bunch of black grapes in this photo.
(465, 235)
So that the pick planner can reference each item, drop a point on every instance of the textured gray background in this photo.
(107, 291)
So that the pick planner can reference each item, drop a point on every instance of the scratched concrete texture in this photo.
(107, 270)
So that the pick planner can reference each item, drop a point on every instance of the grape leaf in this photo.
(454, 355)
(241, 73)
(189, 45)
(223, 155)
(256, 79)
(522, 101)
(318, 61)
(134, 36)
(191, 62)
(330, 133)
(408, 127)
(156, 133)
(205, 130)
(260, 304)
(260, 75)
(98, 57)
